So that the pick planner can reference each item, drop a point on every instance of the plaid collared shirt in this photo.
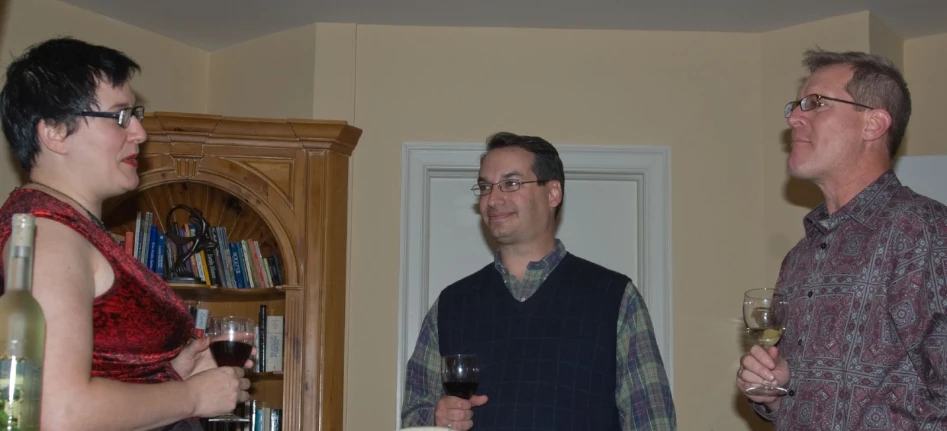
(643, 395)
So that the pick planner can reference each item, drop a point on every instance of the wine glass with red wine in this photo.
(459, 374)
(231, 343)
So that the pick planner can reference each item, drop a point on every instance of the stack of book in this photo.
(262, 418)
(237, 264)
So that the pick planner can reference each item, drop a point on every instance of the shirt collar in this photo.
(545, 264)
(864, 208)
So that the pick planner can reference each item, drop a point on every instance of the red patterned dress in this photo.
(139, 324)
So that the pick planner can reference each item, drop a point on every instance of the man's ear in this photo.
(879, 122)
(52, 136)
(555, 193)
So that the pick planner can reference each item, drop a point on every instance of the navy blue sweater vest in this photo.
(547, 363)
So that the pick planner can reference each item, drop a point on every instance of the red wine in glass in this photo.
(230, 353)
(463, 390)
(231, 344)
(459, 374)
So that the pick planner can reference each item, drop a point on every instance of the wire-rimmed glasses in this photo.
(483, 189)
(813, 101)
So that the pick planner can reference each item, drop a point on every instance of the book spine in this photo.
(130, 243)
(237, 266)
(136, 244)
(152, 261)
(160, 252)
(247, 265)
(274, 343)
(200, 322)
(261, 335)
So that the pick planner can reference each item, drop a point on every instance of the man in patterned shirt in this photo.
(865, 345)
(562, 343)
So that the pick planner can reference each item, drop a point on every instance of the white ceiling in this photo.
(215, 24)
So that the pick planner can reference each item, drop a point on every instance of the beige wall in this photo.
(884, 41)
(333, 95)
(272, 76)
(173, 78)
(925, 62)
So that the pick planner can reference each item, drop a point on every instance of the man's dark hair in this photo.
(547, 165)
(875, 82)
(54, 81)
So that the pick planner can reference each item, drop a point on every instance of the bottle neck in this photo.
(18, 269)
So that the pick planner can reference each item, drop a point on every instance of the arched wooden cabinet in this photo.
(283, 183)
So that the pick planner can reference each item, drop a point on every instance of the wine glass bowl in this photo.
(460, 374)
(764, 313)
(231, 344)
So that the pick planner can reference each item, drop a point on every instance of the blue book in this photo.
(160, 248)
(237, 267)
(152, 248)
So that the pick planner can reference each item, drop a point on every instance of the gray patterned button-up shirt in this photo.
(866, 338)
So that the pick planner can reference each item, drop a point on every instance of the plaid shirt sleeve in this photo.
(643, 394)
(423, 388)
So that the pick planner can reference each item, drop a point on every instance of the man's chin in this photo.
(502, 238)
(796, 170)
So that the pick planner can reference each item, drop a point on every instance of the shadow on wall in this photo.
(799, 192)
(753, 421)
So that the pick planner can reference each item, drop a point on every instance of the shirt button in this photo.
(792, 393)
(809, 294)
(523, 299)
(823, 245)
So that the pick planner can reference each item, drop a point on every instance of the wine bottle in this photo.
(22, 334)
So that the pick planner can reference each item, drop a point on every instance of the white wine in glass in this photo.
(764, 312)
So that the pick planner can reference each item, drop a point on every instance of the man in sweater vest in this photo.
(562, 343)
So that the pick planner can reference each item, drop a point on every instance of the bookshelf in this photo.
(284, 184)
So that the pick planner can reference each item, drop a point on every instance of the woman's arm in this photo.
(67, 276)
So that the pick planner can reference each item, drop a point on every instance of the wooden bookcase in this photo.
(283, 183)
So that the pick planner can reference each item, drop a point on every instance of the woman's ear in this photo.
(52, 136)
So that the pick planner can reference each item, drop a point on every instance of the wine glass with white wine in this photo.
(764, 312)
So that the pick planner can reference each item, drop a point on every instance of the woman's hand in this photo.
(218, 391)
(194, 358)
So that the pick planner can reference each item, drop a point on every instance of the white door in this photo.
(616, 213)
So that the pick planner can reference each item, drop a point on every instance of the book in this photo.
(274, 344)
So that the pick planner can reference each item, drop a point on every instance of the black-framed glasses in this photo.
(813, 101)
(123, 116)
(483, 189)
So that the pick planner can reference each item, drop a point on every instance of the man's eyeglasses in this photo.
(483, 189)
(813, 101)
(123, 116)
